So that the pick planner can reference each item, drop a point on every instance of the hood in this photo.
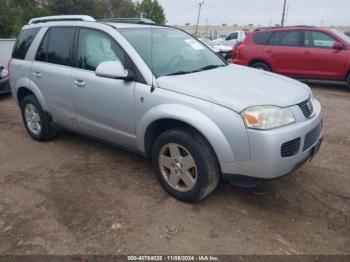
(238, 87)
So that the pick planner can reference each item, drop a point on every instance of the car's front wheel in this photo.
(35, 120)
(185, 164)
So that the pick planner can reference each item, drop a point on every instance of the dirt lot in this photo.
(77, 196)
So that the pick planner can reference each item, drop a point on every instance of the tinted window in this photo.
(232, 36)
(23, 43)
(60, 45)
(261, 38)
(286, 38)
(96, 47)
(319, 40)
(41, 54)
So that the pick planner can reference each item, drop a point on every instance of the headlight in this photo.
(4, 73)
(267, 117)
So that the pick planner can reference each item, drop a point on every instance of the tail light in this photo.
(239, 50)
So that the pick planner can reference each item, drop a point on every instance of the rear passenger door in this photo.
(285, 51)
(51, 70)
(104, 107)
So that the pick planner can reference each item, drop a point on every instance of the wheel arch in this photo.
(25, 88)
(258, 60)
(165, 117)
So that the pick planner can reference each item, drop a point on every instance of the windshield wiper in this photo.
(208, 67)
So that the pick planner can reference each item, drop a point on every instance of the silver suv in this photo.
(158, 91)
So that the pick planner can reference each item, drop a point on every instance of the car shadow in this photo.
(327, 85)
(5, 97)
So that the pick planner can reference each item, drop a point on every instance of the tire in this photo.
(348, 82)
(31, 108)
(261, 66)
(192, 148)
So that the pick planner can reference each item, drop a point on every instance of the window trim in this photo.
(48, 34)
(302, 38)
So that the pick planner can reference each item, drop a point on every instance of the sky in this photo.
(258, 12)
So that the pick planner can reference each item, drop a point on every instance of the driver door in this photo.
(104, 107)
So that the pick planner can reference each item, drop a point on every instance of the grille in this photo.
(307, 108)
(290, 148)
(312, 136)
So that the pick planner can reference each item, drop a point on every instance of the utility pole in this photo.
(199, 14)
(284, 13)
(206, 27)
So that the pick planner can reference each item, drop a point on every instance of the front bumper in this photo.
(265, 146)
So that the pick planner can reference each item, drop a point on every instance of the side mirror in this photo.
(114, 70)
(338, 46)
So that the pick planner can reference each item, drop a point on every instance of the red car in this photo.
(302, 52)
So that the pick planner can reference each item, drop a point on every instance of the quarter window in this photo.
(23, 43)
(319, 40)
(286, 38)
(96, 47)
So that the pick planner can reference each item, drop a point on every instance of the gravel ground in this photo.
(77, 196)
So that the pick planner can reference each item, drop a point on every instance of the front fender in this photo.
(192, 117)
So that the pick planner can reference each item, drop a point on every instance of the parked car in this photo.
(300, 52)
(4, 81)
(223, 50)
(232, 39)
(158, 91)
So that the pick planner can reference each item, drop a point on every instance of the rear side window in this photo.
(23, 43)
(57, 46)
(287, 38)
(262, 38)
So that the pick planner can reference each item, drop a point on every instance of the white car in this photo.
(232, 39)
(223, 50)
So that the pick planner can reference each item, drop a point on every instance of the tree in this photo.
(76, 7)
(151, 9)
(16, 13)
(118, 8)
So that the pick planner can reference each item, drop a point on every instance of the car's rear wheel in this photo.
(185, 165)
(348, 82)
(35, 120)
(261, 66)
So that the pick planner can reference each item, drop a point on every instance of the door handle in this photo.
(79, 83)
(37, 74)
(269, 51)
(306, 52)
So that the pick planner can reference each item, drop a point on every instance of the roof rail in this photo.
(276, 27)
(46, 19)
(128, 20)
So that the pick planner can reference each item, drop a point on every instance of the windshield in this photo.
(342, 35)
(207, 41)
(169, 51)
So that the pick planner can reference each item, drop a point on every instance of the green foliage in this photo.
(151, 9)
(16, 13)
